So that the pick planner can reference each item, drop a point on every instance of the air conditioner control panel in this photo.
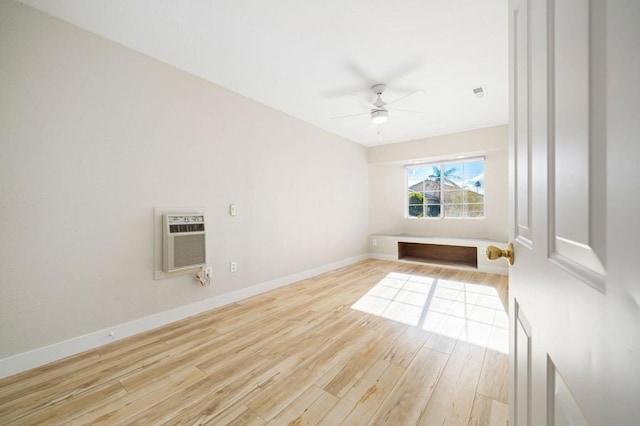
(181, 224)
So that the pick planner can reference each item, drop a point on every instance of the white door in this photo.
(575, 185)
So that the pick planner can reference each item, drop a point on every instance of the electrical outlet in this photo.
(374, 242)
(483, 250)
(233, 266)
(208, 272)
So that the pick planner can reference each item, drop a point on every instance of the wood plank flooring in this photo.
(380, 343)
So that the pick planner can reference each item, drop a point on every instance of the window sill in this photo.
(445, 218)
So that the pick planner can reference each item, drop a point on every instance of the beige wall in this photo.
(387, 184)
(94, 136)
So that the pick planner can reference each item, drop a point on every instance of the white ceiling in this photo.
(306, 58)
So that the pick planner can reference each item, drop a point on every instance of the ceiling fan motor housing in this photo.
(378, 89)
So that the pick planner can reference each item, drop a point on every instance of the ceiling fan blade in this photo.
(407, 110)
(405, 96)
(403, 70)
(358, 72)
(350, 115)
(340, 92)
(369, 104)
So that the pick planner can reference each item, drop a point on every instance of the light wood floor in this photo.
(297, 355)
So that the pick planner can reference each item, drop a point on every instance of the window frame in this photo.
(442, 164)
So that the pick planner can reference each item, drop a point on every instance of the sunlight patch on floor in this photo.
(465, 311)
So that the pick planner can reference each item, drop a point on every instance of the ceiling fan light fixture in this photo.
(379, 116)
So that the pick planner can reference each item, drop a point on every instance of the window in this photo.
(447, 189)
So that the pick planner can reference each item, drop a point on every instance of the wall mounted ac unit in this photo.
(183, 241)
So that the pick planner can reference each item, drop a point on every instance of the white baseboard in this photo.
(380, 256)
(27, 360)
(491, 269)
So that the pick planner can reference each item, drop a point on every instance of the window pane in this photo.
(432, 201)
(474, 210)
(456, 197)
(416, 210)
(415, 177)
(415, 198)
(432, 184)
(452, 176)
(416, 201)
(473, 168)
(416, 187)
(434, 172)
(453, 210)
(473, 197)
(432, 197)
(433, 210)
(474, 176)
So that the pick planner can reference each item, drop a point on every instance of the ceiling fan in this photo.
(379, 109)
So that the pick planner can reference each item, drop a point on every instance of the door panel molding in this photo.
(573, 172)
(563, 410)
(522, 369)
(521, 104)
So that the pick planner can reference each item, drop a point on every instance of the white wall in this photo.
(387, 185)
(94, 136)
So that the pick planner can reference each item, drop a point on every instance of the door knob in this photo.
(494, 253)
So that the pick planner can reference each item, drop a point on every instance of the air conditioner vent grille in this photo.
(188, 250)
